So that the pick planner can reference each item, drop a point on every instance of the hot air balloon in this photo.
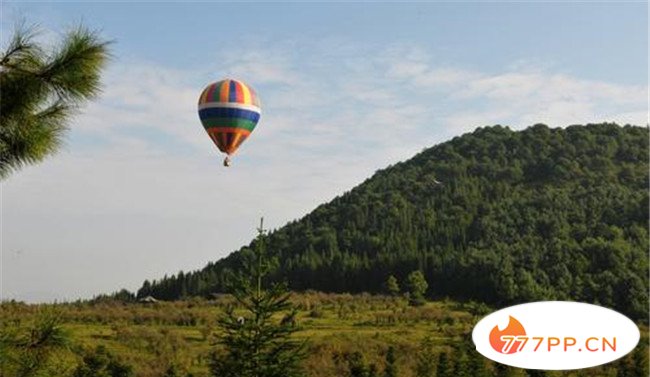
(229, 111)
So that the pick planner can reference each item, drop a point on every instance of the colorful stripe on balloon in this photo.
(228, 139)
(229, 91)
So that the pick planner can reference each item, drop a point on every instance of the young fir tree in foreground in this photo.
(256, 340)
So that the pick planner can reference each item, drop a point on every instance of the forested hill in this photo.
(517, 216)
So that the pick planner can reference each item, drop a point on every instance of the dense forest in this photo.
(496, 215)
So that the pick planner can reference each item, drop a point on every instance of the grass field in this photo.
(153, 337)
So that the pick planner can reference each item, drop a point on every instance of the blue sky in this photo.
(138, 191)
(587, 39)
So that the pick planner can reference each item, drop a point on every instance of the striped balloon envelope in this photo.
(229, 111)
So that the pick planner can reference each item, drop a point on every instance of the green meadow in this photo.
(346, 335)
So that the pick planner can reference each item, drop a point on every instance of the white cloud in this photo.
(509, 86)
(260, 66)
(145, 97)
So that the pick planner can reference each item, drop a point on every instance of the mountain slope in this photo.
(518, 216)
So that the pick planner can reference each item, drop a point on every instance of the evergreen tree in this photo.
(462, 367)
(357, 366)
(172, 371)
(417, 286)
(445, 368)
(40, 90)
(101, 363)
(392, 285)
(633, 364)
(426, 359)
(506, 371)
(256, 343)
(391, 367)
(477, 366)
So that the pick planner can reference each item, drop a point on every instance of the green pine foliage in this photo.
(40, 90)
(496, 216)
(357, 366)
(101, 363)
(417, 287)
(391, 363)
(427, 359)
(27, 349)
(445, 366)
(392, 286)
(254, 341)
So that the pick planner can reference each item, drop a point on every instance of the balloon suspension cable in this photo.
(226, 161)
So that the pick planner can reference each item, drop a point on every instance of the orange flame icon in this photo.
(504, 341)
